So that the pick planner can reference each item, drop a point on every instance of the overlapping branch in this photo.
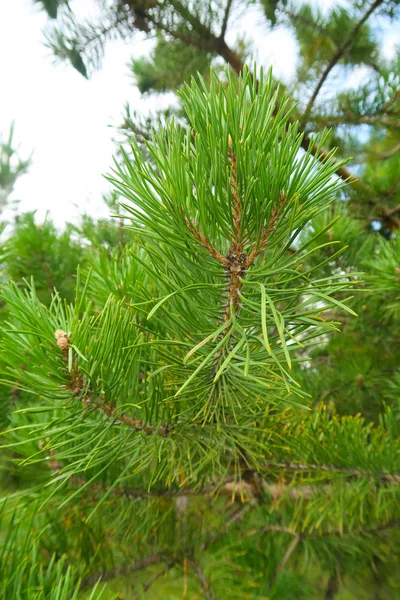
(338, 55)
(123, 570)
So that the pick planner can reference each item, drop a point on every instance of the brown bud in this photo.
(360, 381)
(62, 339)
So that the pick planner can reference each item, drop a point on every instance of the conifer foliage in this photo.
(162, 437)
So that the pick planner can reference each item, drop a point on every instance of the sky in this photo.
(66, 119)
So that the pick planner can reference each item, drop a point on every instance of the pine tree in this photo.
(162, 440)
(182, 416)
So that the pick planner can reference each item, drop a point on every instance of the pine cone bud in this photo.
(62, 339)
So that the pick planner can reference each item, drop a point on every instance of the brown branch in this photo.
(237, 210)
(195, 231)
(203, 45)
(282, 563)
(387, 214)
(225, 19)
(266, 231)
(338, 55)
(353, 119)
(348, 472)
(342, 171)
(272, 527)
(332, 587)
(77, 386)
(220, 47)
(390, 153)
(229, 487)
(123, 570)
(235, 261)
(204, 581)
(155, 578)
(136, 424)
(138, 493)
(380, 527)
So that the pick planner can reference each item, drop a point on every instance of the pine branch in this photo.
(77, 386)
(337, 56)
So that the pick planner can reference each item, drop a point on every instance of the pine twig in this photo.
(282, 563)
(140, 493)
(136, 424)
(392, 152)
(332, 587)
(139, 565)
(212, 251)
(155, 578)
(237, 210)
(225, 19)
(299, 536)
(266, 233)
(204, 581)
(345, 471)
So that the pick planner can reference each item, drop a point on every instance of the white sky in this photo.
(65, 119)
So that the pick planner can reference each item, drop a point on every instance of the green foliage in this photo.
(28, 573)
(52, 6)
(11, 166)
(160, 426)
(271, 9)
(39, 251)
(174, 57)
(188, 421)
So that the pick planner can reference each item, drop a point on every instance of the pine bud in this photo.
(62, 339)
